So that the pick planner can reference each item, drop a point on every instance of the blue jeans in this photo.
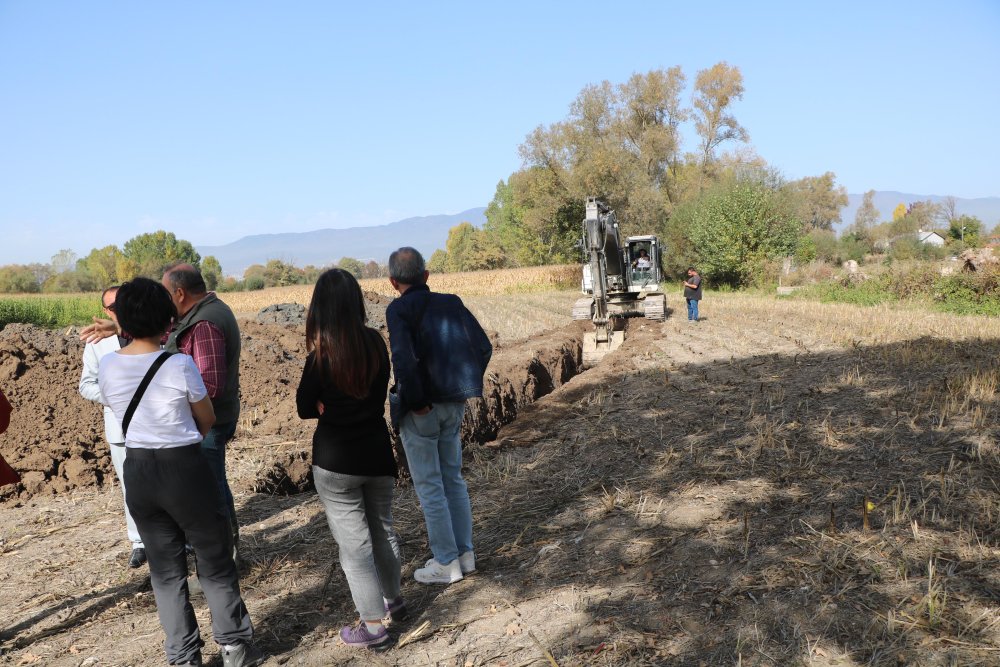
(434, 452)
(359, 512)
(692, 309)
(213, 448)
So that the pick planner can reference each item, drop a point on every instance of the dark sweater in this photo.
(351, 437)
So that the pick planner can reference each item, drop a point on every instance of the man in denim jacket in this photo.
(439, 356)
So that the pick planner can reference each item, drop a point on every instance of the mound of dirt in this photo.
(56, 439)
(282, 313)
(517, 376)
(294, 314)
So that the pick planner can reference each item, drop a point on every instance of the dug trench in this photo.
(56, 438)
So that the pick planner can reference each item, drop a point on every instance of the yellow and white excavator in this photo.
(622, 280)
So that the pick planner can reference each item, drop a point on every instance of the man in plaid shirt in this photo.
(206, 329)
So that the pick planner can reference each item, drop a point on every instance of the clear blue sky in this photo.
(215, 120)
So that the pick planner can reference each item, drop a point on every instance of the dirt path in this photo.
(697, 499)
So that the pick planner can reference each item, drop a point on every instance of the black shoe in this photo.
(138, 558)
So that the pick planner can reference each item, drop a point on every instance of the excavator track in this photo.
(655, 307)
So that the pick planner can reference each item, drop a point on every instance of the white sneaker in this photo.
(436, 573)
(467, 562)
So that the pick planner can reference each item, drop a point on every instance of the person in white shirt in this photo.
(164, 409)
(642, 261)
(92, 354)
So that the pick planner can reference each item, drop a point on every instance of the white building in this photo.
(930, 237)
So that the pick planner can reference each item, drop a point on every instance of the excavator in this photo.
(621, 280)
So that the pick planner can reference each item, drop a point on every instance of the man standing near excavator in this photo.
(692, 293)
(439, 355)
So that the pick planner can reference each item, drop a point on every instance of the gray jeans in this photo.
(359, 511)
(174, 498)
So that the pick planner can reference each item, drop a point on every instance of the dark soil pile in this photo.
(56, 438)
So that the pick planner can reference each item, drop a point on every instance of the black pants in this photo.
(173, 498)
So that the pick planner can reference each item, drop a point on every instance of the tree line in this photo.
(715, 203)
(148, 255)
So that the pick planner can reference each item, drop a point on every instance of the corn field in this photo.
(467, 284)
(50, 311)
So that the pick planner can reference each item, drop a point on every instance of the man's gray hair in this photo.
(187, 278)
(406, 266)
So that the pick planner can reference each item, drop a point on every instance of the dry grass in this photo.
(786, 483)
(849, 325)
(515, 303)
(467, 284)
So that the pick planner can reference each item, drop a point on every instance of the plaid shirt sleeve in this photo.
(206, 344)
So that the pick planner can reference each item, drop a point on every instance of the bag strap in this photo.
(142, 389)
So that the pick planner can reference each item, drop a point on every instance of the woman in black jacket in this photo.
(344, 386)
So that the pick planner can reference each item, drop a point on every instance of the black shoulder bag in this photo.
(141, 389)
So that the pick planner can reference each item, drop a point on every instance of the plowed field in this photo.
(781, 484)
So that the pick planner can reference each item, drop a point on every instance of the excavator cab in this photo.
(642, 255)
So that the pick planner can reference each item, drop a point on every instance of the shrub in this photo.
(736, 227)
(976, 293)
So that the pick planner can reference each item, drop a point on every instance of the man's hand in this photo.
(98, 331)
(320, 407)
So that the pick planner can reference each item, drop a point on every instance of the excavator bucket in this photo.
(594, 350)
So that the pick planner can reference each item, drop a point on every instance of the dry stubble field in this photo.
(782, 484)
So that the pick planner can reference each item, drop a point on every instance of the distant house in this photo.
(930, 237)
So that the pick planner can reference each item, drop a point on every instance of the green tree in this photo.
(254, 271)
(102, 264)
(154, 251)
(353, 266)
(819, 200)
(211, 271)
(18, 278)
(967, 230)
(620, 142)
(506, 228)
(461, 246)
(279, 274)
(438, 263)
(738, 226)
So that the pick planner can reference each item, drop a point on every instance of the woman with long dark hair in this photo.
(344, 386)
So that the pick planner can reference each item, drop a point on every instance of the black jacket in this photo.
(439, 350)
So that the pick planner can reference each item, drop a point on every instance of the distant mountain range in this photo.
(987, 209)
(325, 247)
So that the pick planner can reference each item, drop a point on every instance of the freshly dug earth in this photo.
(778, 485)
(56, 438)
